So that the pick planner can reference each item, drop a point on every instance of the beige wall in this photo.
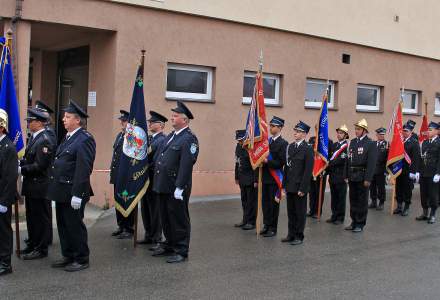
(369, 23)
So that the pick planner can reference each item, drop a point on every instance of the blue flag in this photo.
(8, 99)
(132, 176)
(321, 142)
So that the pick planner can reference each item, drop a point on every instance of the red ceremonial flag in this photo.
(256, 126)
(423, 135)
(396, 152)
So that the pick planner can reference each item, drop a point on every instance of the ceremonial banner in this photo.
(396, 152)
(277, 175)
(132, 177)
(321, 141)
(423, 134)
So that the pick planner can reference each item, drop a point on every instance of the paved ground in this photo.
(395, 258)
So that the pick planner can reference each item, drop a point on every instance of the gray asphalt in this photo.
(394, 258)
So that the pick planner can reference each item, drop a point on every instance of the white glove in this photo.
(76, 202)
(19, 170)
(3, 209)
(417, 177)
(412, 176)
(436, 178)
(178, 194)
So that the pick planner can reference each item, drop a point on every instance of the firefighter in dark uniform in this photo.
(172, 183)
(298, 171)
(150, 205)
(362, 156)
(35, 169)
(8, 193)
(245, 178)
(414, 135)
(277, 148)
(337, 169)
(125, 225)
(70, 188)
(405, 181)
(40, 105)
(430, 174)
(377, 187)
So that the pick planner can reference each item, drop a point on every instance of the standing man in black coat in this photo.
(405, 181)
(277, 148)
(337, 169)
(298, 172)
(125, 225)
(70, 188)
(35, 170)
(8, 192)
(150, 205)
(377, 187)
(172, 183)
(362, 156)
(245, 178)
(430, 174)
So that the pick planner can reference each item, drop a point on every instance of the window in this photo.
(186, 82)
(410, 101)
(271, 87)
(437, 104)
(315, 90)
(368, 97)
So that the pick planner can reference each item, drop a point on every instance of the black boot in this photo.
(432, 216)
(405, 211)
(373, 204)
(424, 216)
(5, 266)
(398, 209)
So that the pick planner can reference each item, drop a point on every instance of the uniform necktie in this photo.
(169, 141)
(270, 140)
(67, 137)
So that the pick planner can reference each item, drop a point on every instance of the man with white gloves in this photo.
(430, 174)
(405, 181)
(172, 184)
(70, 188)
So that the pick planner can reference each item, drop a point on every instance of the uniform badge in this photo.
(343, 155)
(193, 148)
(360, 150)
(45, 150)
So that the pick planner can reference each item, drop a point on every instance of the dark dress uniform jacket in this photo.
(362, 159)
(116, 157)
(382, 156)
(430, 164)
(243, 168)
(175, 160)
(278, 151)
(8, 172)
(71, 169)
(412, 148)
(35, 166)
(156, 143)
(298, 168)
(337, 167)
(50, 132)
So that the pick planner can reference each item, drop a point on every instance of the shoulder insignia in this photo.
(193, 148)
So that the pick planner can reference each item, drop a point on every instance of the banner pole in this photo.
(135, 226)
(259, 203)
(393, 196)
(320, 197)
(17, 229)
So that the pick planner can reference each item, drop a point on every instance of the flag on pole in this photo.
(321, 141)
(423, 134)
(132, 179)
(396, 153)
(277, 175)
(8, 98)
(256, 138)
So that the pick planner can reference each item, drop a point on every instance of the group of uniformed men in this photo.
(164, 207)
(359, 165)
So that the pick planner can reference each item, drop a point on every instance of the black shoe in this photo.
(373, 204)
(380, 206)
(264, 230)
(331, 220)
(270, 233)
(117, 232)
(338, 222)
(125, 235)
(397, 211)
(26, 250)
(357, 229)
(248, 227)
(314, 216)
(238, 225)
(76, 266)
(36, 254)
(155, 247)
(176, 259)
(296, 242)
(309, 214)
(422, 217)
(5, 268)
(146, 241)
(405, 212)
(287, 239)
(162, 252)
(61, 263)
(431, 220)
(350, 227)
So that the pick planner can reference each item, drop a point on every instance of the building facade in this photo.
(207, 54)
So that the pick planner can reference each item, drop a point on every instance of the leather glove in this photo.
(436, 178)
(178, 194)
(417, 177)
(76, 202)
(412, 176)
(3, 209)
